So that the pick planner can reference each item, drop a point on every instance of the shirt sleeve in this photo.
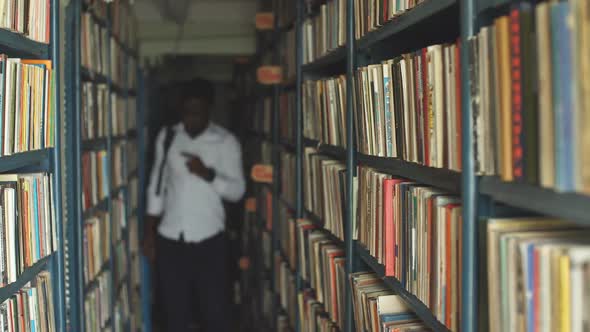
(229, 180)
(155, 202)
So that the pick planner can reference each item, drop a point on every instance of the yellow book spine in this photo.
(564, 297)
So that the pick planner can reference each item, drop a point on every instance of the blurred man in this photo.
(197, 165)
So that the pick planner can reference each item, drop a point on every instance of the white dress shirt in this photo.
(187, 203)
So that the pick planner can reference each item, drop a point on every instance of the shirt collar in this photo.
(210, 134)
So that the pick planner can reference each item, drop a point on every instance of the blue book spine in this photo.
(388, 141)
(563, 90)
(386, 318)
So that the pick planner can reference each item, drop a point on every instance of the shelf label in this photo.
(251, 204)
(261, 173)
(269, 75)
(265, 21)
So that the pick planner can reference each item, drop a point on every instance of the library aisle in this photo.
(294, 165)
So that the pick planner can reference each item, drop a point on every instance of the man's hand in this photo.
(195, 165)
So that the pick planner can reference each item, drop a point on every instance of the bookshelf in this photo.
(481, 196)
(110, 130)
(46, 160)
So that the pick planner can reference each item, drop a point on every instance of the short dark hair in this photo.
(197, 88)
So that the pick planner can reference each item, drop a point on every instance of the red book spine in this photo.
(385, 13)
(458, 106)
(389, 228)
(516, 78)
(425, 104)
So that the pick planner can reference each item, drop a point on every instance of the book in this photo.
(28, 222)
(528, 103)
(532, 264)
(287, 119)
(95, 179)
(409, 108)
(27, 114)
(30, 308)
(97, 245)
(377, 308)
(325, 31)
(322, 260)
(370, 15)
(324, 109)
(29, 18)
(414, 231)
(324, 187)
(97, 303)
(94, 111)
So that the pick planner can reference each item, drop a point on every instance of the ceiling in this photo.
(212, 27)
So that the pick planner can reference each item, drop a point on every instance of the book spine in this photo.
(516, 79)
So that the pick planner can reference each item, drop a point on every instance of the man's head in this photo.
(196, 100)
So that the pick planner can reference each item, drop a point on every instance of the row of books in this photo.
(286, 11)
(124, 23)
(287, 116)
(132, 156)
(286, 288)
(415, 231)
(529, 96)
(122, 312)
(97, 245)
(288, 52)
(133, 191)
(324, 110)
(537, 274)
(377, 308)
(28, 17)
(119, 213)
(97, 304)
(288, 177)
(28, 226)
(312, 314)
(94, 114)
(263, 116)
(324, 32)
(27, 112)
(30, 308)
(324, 185)
(118, 64)
(131, 113)
(370, 15)
(94, 41)
(321, 263)
(94, 111)
(120, 261)
(118, 175)
(410, 107)
(119, 114)
(265, 206)
(95, 178)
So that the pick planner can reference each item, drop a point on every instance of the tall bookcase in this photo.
(47, 160)
(124, 146)
(431, 22)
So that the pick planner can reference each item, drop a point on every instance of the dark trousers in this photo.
(194, 276)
